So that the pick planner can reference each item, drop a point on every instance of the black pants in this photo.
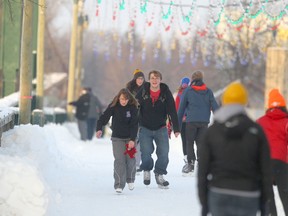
(183, 138)
(280, 178)
(194, 132)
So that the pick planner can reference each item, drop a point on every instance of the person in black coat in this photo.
(124, 113)
(234, 175)
(156, 105)
(134, 86)
(82, 107)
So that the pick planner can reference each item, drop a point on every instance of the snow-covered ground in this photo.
(48, 171)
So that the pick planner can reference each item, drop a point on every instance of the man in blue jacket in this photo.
(198, 101)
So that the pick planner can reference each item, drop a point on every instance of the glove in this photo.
(169, 129)
(131, 152)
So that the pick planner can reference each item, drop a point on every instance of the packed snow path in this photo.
(49, 172)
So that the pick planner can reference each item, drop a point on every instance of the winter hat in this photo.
(185, 80)
(235, 93)
(138, 74)
(136, 71)
(275, 99)
(197, 75)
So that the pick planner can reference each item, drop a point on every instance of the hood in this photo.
(198, 85)
(276, 113)
(225, 112)
(233, 117)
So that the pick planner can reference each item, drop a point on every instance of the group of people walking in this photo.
(239, 160)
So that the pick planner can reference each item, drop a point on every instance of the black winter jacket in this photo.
(124, 121)
(154, 115)
(82, 106)
(234, 154)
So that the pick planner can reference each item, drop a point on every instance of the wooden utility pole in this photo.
(72, 61)
(26, 63)
(40, 55)
(1, 47)
(81, 22)
(276, 71)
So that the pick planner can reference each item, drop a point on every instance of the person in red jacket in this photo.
(184, 84)
(275, 125)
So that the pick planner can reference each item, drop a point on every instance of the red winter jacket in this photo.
(275, 126)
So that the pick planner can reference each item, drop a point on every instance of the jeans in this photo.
(82, 126)
(226, 205)
(91, 125)
(194, 131)
(146, 138)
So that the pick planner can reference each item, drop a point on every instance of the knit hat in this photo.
(138, 74)
(235, 93)
(197, 75)
(275, 99)
(136, 71)
(185, 80)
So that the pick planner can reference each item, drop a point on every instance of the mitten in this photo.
(169, 129)
(131, 152)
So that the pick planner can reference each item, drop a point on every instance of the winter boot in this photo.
(186, 163)
(131, 186)
(147, 177)
(188, 170)
(119, 190)
(162, 183)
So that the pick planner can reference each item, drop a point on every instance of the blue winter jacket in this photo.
(198, 105)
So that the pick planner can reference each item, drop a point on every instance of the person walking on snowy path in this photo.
(234, 175)
(124, 112)
(134, 87)
(197, 102)
(275, 126)
(156, 104)
(184, 84)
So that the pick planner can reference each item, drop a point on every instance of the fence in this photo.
(7, 120)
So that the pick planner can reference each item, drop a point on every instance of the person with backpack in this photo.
(156, 103)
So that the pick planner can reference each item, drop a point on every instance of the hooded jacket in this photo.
(275, 126)
(234, 156)
(154, 115)
(197, 102)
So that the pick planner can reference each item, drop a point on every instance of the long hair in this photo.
(127, 94)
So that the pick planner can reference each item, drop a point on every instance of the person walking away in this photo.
(82, 106)
(156, 104)
(124, 112)
(275, 126)
(134, 86)
(234, 176)
(94, 111)
(197, 102)
(184, 84)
